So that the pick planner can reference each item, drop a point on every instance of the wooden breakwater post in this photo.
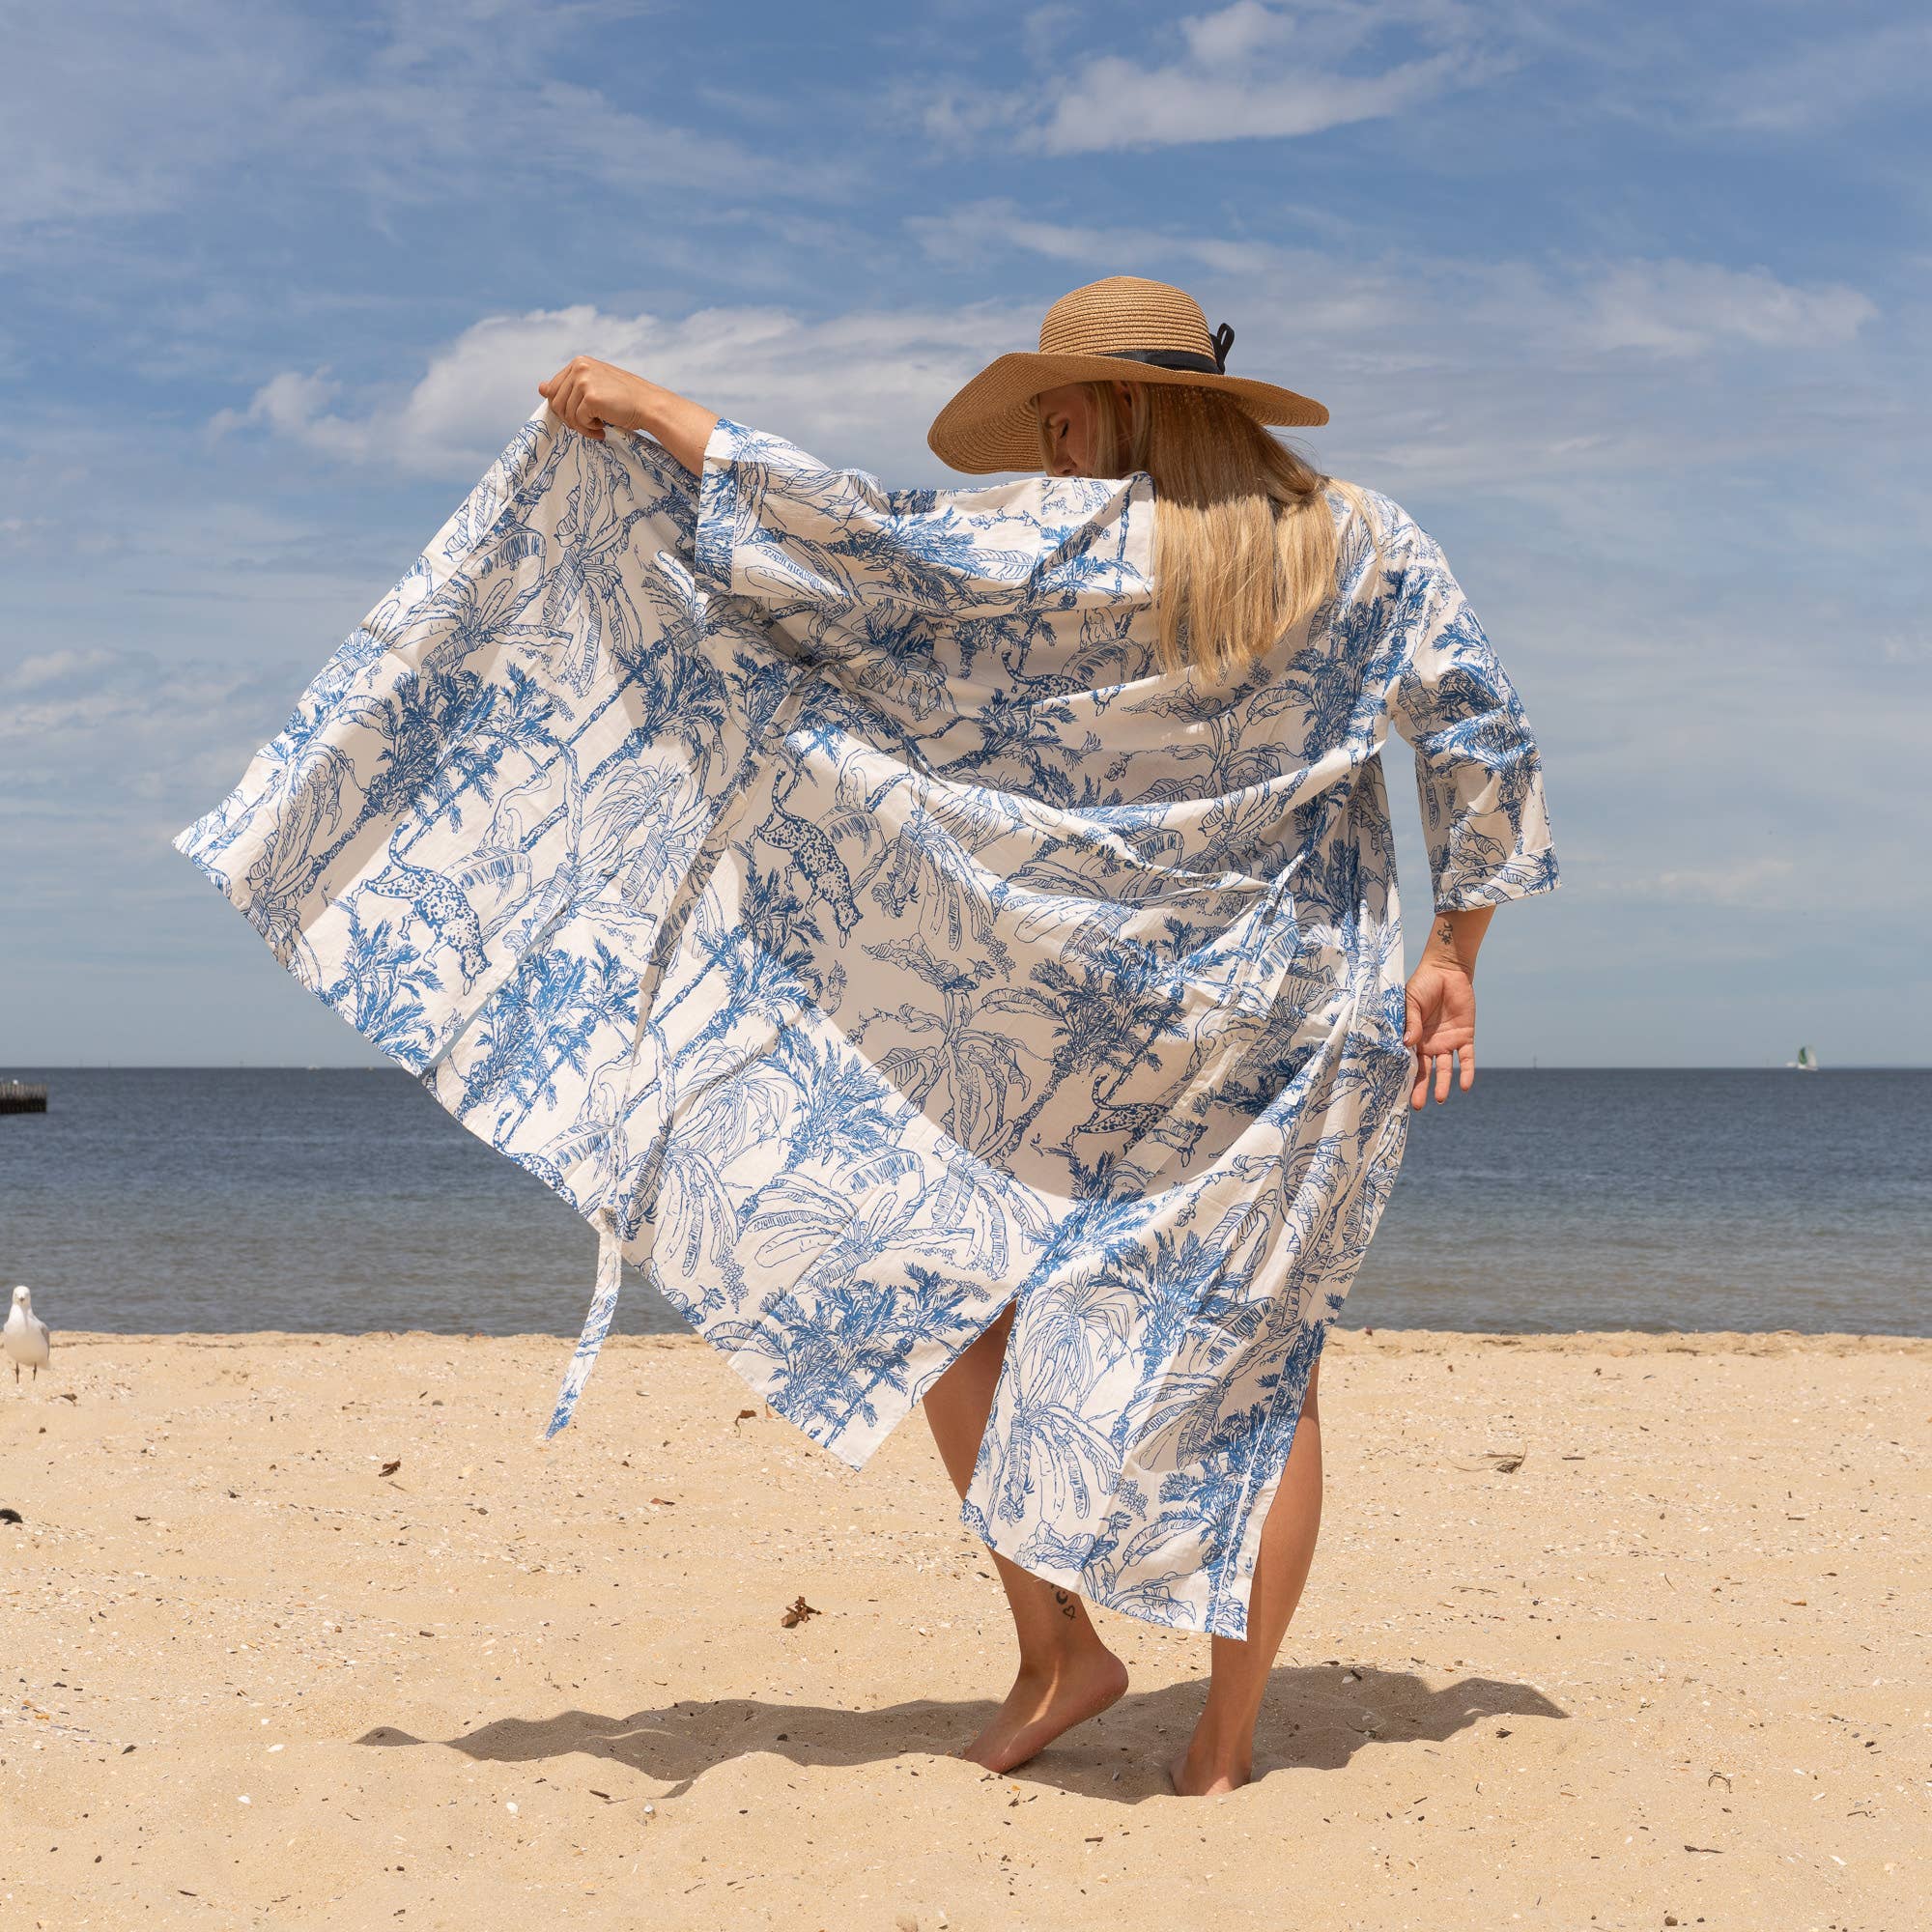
(22, 1097)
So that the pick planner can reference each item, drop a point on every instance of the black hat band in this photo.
(1215, 364)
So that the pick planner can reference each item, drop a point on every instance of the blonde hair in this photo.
(1246, 543)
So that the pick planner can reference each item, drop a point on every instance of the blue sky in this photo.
(1627, 305)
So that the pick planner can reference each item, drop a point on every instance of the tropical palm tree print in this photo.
(823, 889)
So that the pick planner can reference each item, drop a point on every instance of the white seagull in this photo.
(25, 1335)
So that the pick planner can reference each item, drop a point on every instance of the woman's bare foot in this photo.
(1195, 1774)
(1045, 1701)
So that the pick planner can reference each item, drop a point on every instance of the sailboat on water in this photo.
(1807, 1060)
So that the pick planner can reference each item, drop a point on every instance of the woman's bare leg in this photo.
(1067, 1674)
(1220, 1755)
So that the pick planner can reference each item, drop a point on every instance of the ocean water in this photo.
(158, 1200)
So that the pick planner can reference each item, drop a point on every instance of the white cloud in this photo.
(865, 382)
(1838, 72)
(1363, 308)
(1532, 381)
(296, 406)
(1117, 104)
(1684, 308)
(1438, 373)
(1237, 33)
(115, 112)
(985, 230)
(412, 110)
(107, 750)
(51, 670)
(1766, 882)
(1245, 71)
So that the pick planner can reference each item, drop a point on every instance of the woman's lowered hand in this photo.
(1440, 1006)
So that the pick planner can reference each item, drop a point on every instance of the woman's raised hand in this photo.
(592, 396)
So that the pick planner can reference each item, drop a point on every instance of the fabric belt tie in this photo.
(610, 1258)
(596, 1324)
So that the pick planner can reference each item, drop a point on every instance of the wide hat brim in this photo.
(991, 424)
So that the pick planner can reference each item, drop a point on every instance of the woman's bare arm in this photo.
(591, 396)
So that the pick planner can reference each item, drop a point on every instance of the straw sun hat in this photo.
(1124, 327)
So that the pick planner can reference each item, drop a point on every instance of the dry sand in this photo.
(1673, 1667)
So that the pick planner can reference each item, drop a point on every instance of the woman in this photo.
(1249, 540)
(954, 971)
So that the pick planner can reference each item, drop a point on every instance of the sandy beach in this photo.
(307, 1631)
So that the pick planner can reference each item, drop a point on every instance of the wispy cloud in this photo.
(986, 230)
(107, 752)
(1680, 308)
(1553, 377)
(1665, 307)
(1765, 883)
(1842, 70)
(1248, 72)
(410, 109)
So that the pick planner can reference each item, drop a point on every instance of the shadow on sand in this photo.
(1312, 1718)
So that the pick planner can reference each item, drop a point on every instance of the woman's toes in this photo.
(1039, 1707)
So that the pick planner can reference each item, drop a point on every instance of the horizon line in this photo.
(1486, 1067)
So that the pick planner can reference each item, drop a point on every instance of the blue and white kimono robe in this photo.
(822, 887)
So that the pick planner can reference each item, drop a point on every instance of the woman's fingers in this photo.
(565, 394)
(1436, 1069)
(557, 392)
(574, 386)
(1425, 1073)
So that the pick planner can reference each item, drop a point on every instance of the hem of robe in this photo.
(1229, 1573)
(1233, 1578)
(853, 1443)
(856, 1440)
(853, 1438)
(1231, 1590)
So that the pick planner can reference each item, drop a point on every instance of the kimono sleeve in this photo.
(780, 528)
(1477, 768)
